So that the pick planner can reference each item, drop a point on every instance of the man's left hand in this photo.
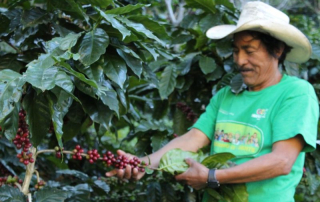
(196, 176)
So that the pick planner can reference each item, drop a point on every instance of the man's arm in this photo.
(193, 140)
(278, 162)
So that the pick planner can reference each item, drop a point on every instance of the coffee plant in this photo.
(80, 79)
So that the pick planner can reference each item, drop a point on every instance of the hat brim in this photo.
(301, 47)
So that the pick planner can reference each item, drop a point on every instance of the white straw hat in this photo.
(258, 16)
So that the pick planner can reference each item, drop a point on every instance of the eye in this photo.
(249, 52)
(235, 51)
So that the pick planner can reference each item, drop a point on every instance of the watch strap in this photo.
(212, 180)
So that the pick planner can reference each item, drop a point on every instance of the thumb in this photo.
(189, 161)
(120, 152)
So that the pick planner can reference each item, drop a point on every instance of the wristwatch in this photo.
(212, 180)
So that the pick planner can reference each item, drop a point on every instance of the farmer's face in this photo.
(257, 67)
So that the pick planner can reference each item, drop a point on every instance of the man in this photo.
(270, 107)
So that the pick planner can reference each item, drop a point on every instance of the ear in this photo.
(280, 50)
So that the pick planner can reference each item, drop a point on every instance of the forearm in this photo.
(278, 162)
(261, 168)
(193, 140)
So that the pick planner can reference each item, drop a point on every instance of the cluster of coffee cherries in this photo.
(25, 157)
(22, 141)
(191, 116)
(39, 185)
(10, 180)
(120, 162)
(93, 155)
(77, 153)
(58, 152)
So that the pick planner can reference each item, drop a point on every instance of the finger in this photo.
(111, 173)
(120, 152)
(135, 173)
(127, 172)
(189, 161)
(120, 173)
(180, 177)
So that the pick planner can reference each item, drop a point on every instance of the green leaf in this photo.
(42, 78)
(5, 48)
(14, 16)
(140, 29)
(109, 98)
(10, 91)
(97, 111)
(173, 161)
(152, 25)
(49, 194)
(134, 63)
(10, 62)
(75, 173)
(224, 48)
(207, 5)
(102, 185)
(10, 122)
(168, 192)
(215, 195)
(78, 75)
(64, 81)
(11, 194)
(189, 196)
(315, 52)
(33, 17)
(154, 192)
(237, 85)
(101, 4)
(217, 160)
(78, 193)
(184, 66)
(151, 50)
(167, 81)
(227, 4)
(158, 141)
(116, 70)
(70, 7)
(146, 125)
(126, 9)
(180, 123)
(216, 74)
(21, 35)
(207, 64)
(93, 45)
(58, 111)
(115, 23)
(67, 42)
(38, 116)
(240, 193)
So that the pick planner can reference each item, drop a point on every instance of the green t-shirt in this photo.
(248, 123)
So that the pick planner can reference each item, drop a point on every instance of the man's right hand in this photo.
(127, 173)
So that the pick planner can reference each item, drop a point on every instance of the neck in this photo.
(275, 79)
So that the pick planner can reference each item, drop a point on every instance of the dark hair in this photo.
(272, 45)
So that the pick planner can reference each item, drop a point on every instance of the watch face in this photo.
(213, 185)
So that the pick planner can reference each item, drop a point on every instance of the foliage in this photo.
(174, 163)
(108, 75)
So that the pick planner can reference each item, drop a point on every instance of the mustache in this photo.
(244, 69)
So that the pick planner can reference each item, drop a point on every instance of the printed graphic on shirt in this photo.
(260, 113)
(239, 139)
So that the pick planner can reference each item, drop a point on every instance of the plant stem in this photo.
(18, 185)
(29, 173)
(38, 177)
(29, 197)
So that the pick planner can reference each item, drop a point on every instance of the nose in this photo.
(240, 58)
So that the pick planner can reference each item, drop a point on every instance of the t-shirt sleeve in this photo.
(298, 114)
(207, 120)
